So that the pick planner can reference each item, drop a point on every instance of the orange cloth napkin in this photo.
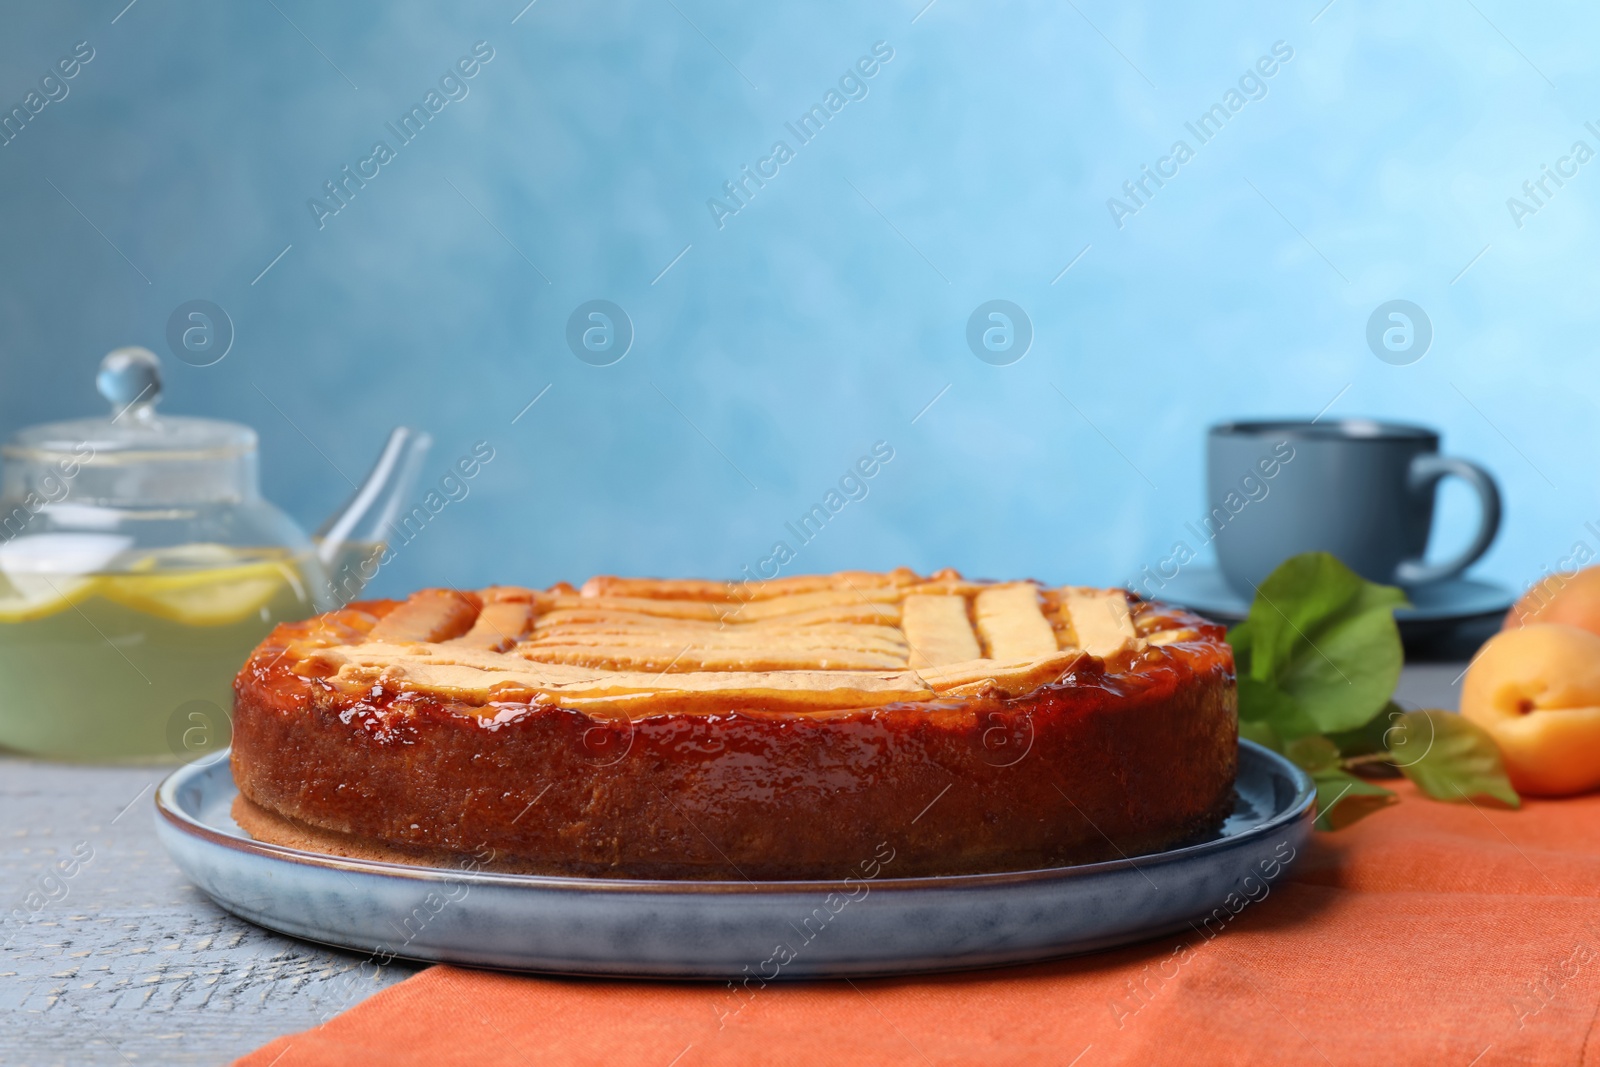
(1429, 933)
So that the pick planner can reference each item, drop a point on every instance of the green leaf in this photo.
(1317, 661)
(1450, 758)
(1241, 640)
(1324, 638)
(1313, 754)
(1263, 701)
(1371, 738)
(1261, 733)
(1343, 798)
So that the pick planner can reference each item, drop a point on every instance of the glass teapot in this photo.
(139, 566)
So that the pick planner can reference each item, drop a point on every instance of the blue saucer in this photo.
(1203, 590)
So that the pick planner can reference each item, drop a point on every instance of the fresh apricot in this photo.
(1573, 599)
(1536, 690)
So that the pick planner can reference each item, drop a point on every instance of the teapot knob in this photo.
(130, 379)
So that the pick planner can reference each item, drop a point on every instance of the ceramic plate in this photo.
(1456, 600)
(661, 929)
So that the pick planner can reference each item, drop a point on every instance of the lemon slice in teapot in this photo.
(41, 574)
(200, 585)
(33, 596)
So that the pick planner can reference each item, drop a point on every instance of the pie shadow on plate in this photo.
(736, 930)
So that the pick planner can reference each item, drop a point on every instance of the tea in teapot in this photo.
(139, 566)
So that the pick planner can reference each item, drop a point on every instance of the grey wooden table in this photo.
(117, 960)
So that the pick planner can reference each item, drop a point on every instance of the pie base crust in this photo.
(1124, 752)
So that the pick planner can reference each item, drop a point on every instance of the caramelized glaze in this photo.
(1117, 755)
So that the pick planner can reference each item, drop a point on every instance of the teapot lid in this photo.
(130, 381)
(133, 456)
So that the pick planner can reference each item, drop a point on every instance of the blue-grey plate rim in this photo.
(168, 809)
(696, 930)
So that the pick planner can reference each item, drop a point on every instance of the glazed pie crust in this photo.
(712, 730)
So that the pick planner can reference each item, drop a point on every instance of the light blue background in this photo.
(829, 312)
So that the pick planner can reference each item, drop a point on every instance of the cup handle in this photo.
(1426, 470)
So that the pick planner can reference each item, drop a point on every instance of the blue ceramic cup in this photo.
(1360, 489)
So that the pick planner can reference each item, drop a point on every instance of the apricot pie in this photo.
(791, 729)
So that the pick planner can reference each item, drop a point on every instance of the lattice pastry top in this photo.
(815, 643)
